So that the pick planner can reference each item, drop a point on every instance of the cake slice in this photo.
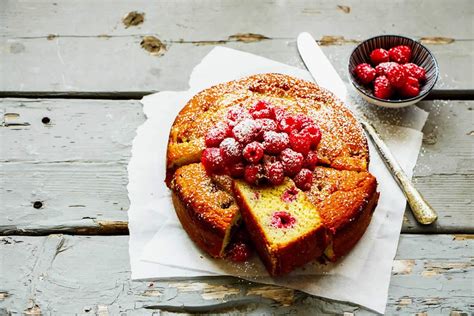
(285, 227)
(207, 213)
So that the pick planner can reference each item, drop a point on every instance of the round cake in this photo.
(220, 209)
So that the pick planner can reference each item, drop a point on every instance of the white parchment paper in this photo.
(159, 248)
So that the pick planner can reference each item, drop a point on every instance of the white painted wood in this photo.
(76, 164)
(60, 50)
(70, 274)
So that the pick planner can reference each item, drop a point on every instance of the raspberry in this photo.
(290, 195)
(212, 160)
(400, 54)
(383, 67)
(274, 172)
(300, 142)
(287, 124)
(382, 88)
(279, 113)
(304, 179)
(274, 142)
(267, 125)
(396, 75)
(302, 120)
(283, 219)
(378, 56)
(365, 73)
(239, 252)
(415, 71)
(253, 173)
(236, 170)
(237, 114)
(262, 109)
(253, 152)
(411, 88)
(311, 160)
(292, 161)
(314, 134)
(231, 151)
(216, 135)
(246, 131)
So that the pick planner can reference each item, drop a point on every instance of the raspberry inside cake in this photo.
(285, 226)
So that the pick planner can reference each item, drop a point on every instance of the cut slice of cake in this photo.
(285, 227)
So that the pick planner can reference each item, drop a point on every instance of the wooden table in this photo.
(71, 75)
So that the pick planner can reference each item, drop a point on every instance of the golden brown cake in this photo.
(343, 192)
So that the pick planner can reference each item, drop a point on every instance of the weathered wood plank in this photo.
(75, 165)
(65, 64)
(53, 52)
(65, 274)
(197, 20)
(68, 130)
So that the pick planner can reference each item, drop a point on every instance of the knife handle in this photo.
(422, 211)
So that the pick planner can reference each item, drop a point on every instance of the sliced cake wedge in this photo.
(284, 225)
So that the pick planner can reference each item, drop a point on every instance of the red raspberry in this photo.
(415, 71)
(239, 252)
(400, 54)
(311, 160)
(300, 142)
(383, 67)
(365, 73)
(237, 114)
(253, 173)
(313, 133)
(382, 88)
(396, 75)
(283, 219)
(262, 109)
(253, 152)
(287, 124)
(246, 131)
(231, 151)
(212, 160)
(292, 161)
(378, 56)
(304, 179)
(301, 121)
(274, 142)
(279, 113)
(411, 88)
(236, 170)
(217, 134)
(274, 172)
(267, 125)
(290, 195)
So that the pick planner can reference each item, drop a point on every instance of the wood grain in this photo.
(93, 274)
(61, 51)
(75, 165)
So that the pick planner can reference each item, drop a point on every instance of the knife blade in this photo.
(326, 76)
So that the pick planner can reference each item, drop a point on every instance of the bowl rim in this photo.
(356, 84)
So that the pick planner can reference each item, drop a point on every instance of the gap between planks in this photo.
(436, 94)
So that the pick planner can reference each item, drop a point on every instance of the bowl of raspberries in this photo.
(392, 71)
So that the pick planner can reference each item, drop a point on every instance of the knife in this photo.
(326, 76)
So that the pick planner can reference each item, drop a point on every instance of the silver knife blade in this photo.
(319, 66)
(326, 76)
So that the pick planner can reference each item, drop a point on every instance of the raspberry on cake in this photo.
(286, 234)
